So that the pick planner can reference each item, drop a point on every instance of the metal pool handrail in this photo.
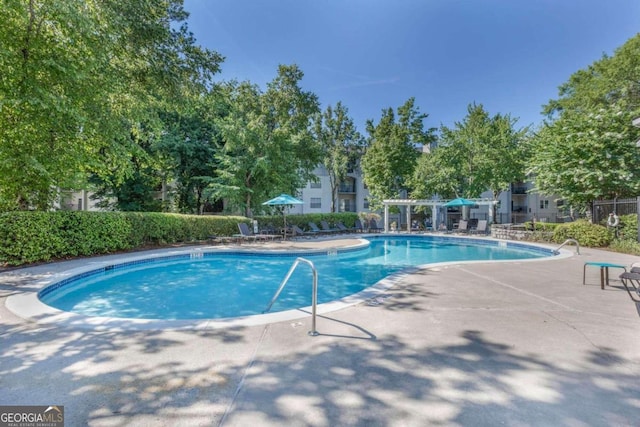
(314, 293)
(556, 251)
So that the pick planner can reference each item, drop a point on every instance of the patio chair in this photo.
(373, 226)
(631, 282)
(358, 228)
(314, 227)
(245, 233)
(297, 231)
(481, 228)
(343, 228)
(270, 230)
(327, 229)
(462, 226)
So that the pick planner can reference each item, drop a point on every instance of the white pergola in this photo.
(435, 204)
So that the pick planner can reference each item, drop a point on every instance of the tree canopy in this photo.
(119, 91)
(586, 150)
(268, 146)
(392, 150)
(78, 77)
(340, 143)
(479, 153)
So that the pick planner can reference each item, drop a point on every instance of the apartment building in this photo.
(352, 194)
(516, 205)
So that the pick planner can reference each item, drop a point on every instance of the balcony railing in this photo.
(519, 190)
(346, 188)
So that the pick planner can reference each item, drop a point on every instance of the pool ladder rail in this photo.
(314, 292)
(557, 251)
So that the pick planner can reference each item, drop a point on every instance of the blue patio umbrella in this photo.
(459, 202)
(284, 200)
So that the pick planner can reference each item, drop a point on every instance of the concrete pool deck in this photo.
(517, 343)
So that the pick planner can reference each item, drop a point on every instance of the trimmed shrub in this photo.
(303, 220)
(29, 237)
(586, 233)
(625, 247)
(628, 228)
(542, 226)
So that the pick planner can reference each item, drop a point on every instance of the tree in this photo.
(586, 149)
(340, 143)
(392, 150)
(268, 147)
(136, 191)
(78, 77)
(583, 157)
(479, 153)
(189, 146)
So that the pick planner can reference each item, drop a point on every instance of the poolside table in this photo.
(604, 271)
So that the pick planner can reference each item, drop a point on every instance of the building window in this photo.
(315, 184)
(366, 203)
(316, 202)
(348, 186)
(544, 204)
(347, 205)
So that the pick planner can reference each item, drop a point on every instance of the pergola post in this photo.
(491, 207)
(437, 216)
(386, 218)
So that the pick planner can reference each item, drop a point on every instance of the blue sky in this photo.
(509, 55)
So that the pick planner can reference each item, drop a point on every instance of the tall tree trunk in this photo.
(247, 210)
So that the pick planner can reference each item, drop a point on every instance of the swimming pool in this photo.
(215, 285)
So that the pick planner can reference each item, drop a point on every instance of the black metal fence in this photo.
(602, 208)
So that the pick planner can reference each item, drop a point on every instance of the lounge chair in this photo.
(373, 225)
(270, 230)
(358, 228)
(462, 226)
(481, 228)
(327, 229)
(314, 228)
(631, 282)
(297, 231)
(343, 228)
(245, 233)
(442, 228)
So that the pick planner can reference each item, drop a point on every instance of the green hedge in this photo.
(586, 233)
(303, 220)
(28, 237)
(542, 226)
(628, 228)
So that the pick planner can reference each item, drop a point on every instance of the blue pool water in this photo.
(220, 285)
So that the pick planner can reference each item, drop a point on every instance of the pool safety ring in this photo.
(613, 220)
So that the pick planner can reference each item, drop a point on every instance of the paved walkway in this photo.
(518, 344)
